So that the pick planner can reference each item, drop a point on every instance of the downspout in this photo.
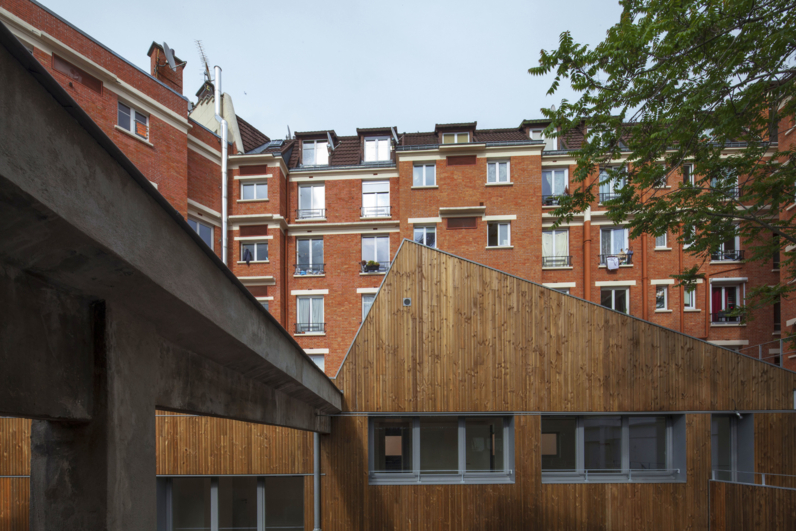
(224, 133)
(644, 280)
(316, 479)
(682, 293)
(587, 254)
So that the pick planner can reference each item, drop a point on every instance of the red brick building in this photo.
(315, 220)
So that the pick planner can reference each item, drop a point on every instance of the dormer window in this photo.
(316, 153)
(377, 149)
(550, 144)
(455, 138)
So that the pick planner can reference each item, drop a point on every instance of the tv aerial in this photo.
(203, 58)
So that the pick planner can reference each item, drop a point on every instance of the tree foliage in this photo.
(707, 82)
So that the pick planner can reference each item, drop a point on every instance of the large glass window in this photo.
(614, 243)
(254, 252)
(309, 256)
(610, 186)
(689, 298)
(555, 248)
(131, 120)
(613, 448)
(554, 185)
(229, 503)
(316, 153)
(377, 149)
(550, 143)
(426, 235)
(725, 299)
(660, 241)
(312, 201)
(424, 175)
(376, 199)
(367, 302)
(661, 298)
(204, 231)
(441, 449)
(254, 191)
(732, 447)
(310, 315)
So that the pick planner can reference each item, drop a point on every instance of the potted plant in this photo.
(371, 266)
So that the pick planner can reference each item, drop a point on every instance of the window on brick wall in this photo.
(254, 191)
(661, 298)
(426, 235)
(133, 121)
(550, 144)
(309, 256)
(315, 153)
(310, 315)
(254, 252)
(376, 199)
(689, 298)
(367, 302)
(377, 149)
(660, 241)
(498, 234)
(616, 299)
(455, 138)
(204, 231)
(424, 175)
(498, 172)
(311, 201)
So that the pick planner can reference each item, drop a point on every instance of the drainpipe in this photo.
(223, 122)
(316, 478)
(644, 279)
(682, 293)
(587, 254)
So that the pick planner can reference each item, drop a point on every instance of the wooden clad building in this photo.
(474, 399)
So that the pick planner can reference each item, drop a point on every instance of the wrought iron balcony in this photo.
(733, 256)
(604, 197)
(556, 261)
(375, 211)
(723, 317)
(309, 269)
(373, 268)
(624, 258)
(552, 199)
(304, 328)
(310, 213)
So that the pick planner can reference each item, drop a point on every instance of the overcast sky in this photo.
(341, 65)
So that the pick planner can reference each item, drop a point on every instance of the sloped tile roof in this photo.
(251, 136)
(499, 135)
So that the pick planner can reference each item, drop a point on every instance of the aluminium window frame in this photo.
(199, 222)
(133, 112)
(424, 166)
(376, 139)
(613, 290)
(315, 143)
(553, 233)
(425, 229)
(255, 251)
(256, 184)
(689, 298)
(675, 454)
(497, 163)
(508, 234)
(415, 477)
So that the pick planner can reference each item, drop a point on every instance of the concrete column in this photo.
(100, 474)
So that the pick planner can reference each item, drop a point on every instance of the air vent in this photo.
(407, 301)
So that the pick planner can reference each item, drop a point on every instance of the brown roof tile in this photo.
(251, 136)
(499, 135)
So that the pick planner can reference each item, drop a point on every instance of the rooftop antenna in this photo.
(203, 58)
(331, 144)
(288, 133)
(169, 56)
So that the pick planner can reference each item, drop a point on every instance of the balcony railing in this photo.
(733, 256)
(309, 269)
(374, 268)
(310, 213)
(375, 211)
(556, 261)
(624, 258)
(552, 199)
(303, 328)
(723, 317)
(608, 196)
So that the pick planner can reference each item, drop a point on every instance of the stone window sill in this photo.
(128, 133)
(620, 265)
(556, 268)
(252, 200)
(691, 310)
(304, 220)
(425, 187)
(255, 261)
(309, 276)
(663, 249)
(663, 310)
(373, 274)
(305, 334)
(500, 184)
(493, 247)
(725, 325)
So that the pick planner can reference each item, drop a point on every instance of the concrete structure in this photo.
(110, 308)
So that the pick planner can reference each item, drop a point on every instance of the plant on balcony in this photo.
(371, 266)
(671, 87)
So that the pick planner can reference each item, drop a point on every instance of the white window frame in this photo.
(372, 297)
(133, 113)
(424, 174)
(665, 290)
(665, 237)
(377, 141)
(556, 251)
(551, 143)
(611, 185)
(550, 199)
(689, 298)
(311, 324)
(721, 249)
(316, 144)
(690, 173)
(613, 290)
(497, 164)
(199, 223)
(319, 360)
(256, 245)
(377, 238)
(740, 297)
(425, 229)
(257, 186)
(456, 138)
(611, 230)
(508, 234)
(376, 211)
(312, 267)
(313, 207)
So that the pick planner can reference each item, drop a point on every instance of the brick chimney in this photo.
(161, 70)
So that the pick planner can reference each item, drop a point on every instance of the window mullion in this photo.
(626, 445)
(416, 447)
(462, 447)
(261, 503)
(214, 504)
(580, 454)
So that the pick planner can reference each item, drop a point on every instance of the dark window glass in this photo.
(439, 445)
(237, 503)
(124, 116)
(647, 443)
(559, 443)
(484, 445)
(190, 504)
(721, 447)
(284, 503)
(602, 440)
(393, 445)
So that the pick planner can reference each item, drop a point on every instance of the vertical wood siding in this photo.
(739, 507)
